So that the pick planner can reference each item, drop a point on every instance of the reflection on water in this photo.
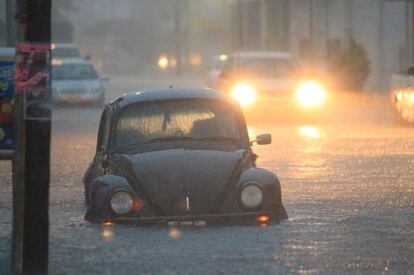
(174, 233)
(108, 233)
(310, 132)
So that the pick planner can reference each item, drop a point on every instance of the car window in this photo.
(266, 67)
(104, 130)
(65, 53)
(166, 121)
(74, 72)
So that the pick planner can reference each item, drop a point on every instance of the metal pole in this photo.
(177, 33)
(381, 46)
(263, 24)
(412, 33)
(311, 33)
(287, 25)
(349, 12)
(31, 179)
(241, 24)
(11, 23)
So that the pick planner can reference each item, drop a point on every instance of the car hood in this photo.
(86, 84)
(181, 182)
(270, 84)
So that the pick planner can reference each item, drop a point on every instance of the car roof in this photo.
(64, 46)
(171, 94)
(262, 54)
(63, 61)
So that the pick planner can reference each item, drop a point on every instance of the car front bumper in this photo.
(253, 218)
(77, 98)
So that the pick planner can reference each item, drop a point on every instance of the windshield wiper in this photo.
(173, 138)
(220, 139)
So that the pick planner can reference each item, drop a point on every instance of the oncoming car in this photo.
(402, 96)
(270, 77)
(178, 156)
(75, 81)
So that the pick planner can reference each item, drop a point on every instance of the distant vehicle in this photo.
(65, 50)
(255, 76)
(76, 81)
(402, 96)
(215, 69)
(179, 156)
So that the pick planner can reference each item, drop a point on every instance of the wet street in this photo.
(347, 183)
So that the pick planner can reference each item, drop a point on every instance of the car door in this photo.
(97, 168)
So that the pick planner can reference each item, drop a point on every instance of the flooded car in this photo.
(268, 78)
(179, 156)
(75, 81)
(402, 96)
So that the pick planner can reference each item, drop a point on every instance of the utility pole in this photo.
(177, 35)
(286, 26)
(311, 32)
(32, 154)
(412, 34)
(11, 23)
(349, 20)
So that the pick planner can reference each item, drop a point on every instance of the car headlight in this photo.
(244, 93)
(121, 202)
(405, 96)
(251, 196)
(310, 94)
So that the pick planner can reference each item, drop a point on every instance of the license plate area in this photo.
(187, 223)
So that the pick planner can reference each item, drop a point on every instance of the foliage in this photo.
(350, 67)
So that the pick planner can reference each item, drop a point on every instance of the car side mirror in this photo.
(264, 139)
(104, 78)
(87, 57)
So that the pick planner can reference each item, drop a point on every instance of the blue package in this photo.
(6, 79)
(7, 136)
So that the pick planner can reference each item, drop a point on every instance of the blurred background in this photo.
(181, 36)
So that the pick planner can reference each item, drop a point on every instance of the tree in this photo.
(350, 66)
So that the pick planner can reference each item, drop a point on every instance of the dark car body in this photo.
(183, 179)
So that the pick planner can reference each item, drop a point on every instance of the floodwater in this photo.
(347, 183)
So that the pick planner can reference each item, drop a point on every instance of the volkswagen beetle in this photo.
(179, 156)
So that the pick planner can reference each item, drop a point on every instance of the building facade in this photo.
(380, 26)
(312, 29)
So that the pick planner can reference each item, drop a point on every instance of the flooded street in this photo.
(347, 184)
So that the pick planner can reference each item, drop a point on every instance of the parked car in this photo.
(75, 81)
(179, 156)
(65, 50)
(274, 78)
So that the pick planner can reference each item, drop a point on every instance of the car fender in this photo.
(266, 179)
(100, 191)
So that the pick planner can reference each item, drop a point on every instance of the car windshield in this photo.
(74, 72)
(66, 53)
(266, 67)
(179, 120)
